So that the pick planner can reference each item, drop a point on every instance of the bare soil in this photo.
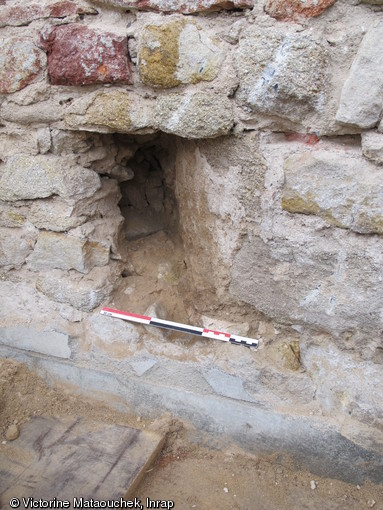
(191, 475)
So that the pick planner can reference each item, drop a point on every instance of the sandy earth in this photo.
(192, 476)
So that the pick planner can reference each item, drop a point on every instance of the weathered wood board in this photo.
(72, 457)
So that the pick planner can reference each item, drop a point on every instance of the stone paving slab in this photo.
(72, 457)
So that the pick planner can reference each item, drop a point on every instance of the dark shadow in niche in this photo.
(148, 203)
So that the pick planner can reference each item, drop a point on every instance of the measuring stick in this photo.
(183, 328)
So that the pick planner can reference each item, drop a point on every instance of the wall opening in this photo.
(150, 248)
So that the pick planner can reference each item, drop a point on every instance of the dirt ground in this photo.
(193, 476)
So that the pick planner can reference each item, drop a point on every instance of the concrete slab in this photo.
(66, 458)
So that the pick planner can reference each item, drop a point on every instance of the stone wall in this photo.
(217, 163)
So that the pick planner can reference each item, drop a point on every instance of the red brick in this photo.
(78, 55)
(18, 15)
(286, 10)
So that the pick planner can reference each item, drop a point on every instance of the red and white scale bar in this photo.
(183, 328)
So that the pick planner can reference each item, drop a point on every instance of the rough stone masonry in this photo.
(217, 163)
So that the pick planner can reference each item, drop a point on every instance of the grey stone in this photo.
(103, 234)
(51, 343)
(16, 245)
(361, 100)
(113, 339)
(372, 2)
(44, 112)
(60, 251)
(60, 215)
(344, 382)
(372, 146)
(235, 328)
(142, 365)
(281, 73)
(83, 292)
(12, 217)
(194, 114)
(44, 142)
(20, 141)
(54, 214)
(323, 280)
(27, 177)
(227, 385)
(345, 190)
(68, 142)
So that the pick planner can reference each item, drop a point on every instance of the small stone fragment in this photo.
(372, 146)
(371, 503)
(313, 485)
(12, 432)
(225, 489)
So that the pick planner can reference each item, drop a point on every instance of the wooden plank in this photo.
(73, 457)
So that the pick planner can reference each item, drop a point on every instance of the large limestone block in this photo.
(361, 101)
(16, 245)
(177, 52)
(372, 146)
(60, 251)
(28, 177)
(109, 112)
(60, 215)
(78, 55)
(19, 63)
(181, 6)
(83, 292)
(345, 190)
(327, 280)
(194, 114)
(292, 9)
(281, 73)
